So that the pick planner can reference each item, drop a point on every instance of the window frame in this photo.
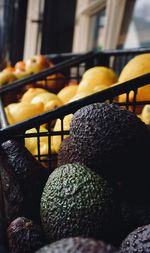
(114, 16)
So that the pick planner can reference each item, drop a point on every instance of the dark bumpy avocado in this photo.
(28, 174)
(24, 236)
(115, 142)
(13, 199)
(76, 202)
(137, 241)
(67, 153)
(78, 245)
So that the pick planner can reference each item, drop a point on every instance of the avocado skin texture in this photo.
(24, 236)
(28, 174)
(66, 153)
(13, 200)
(115, 143)
(76, 202)
(78, 245)
(137, 241)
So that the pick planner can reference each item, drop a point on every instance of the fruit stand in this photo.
(44, 129)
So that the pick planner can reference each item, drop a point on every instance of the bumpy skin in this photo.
(66, 153)
(138, 241)
(28, 174)
(76, 202)
(78, 245)
(12, 195)
(24, 236)
(115, 143)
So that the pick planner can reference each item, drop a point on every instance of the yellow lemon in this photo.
(17, 112)
(87, 92)
(32, 145)
(99, 88)
(145, 115)
(81, 95)
(97, 77)
(137, 66)
(31, 93)
(6, 77)
(49, 100)
(85, 86)
(67, 93)
(56, 140)
(100, 75)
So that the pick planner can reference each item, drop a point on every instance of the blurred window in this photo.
(89, 25)
(96, 30)
(137, 31)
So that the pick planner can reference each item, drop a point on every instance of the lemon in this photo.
(6, 77)
(31, 93)
(67, 93)
(138, 66)
(56, 140)
(96, 77)
(88, 91)
(17, 112)
(145, 115)
(100, 75)
(32, 145)
(49, 100)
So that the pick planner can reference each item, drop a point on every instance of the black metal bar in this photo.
(132, 51)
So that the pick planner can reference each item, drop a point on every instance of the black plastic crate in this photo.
(72, 69)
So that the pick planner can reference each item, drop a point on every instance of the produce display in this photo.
(84, 198)
(96, 198)
(42, 96)
(80, 201)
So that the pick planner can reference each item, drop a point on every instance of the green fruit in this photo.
(76, 202)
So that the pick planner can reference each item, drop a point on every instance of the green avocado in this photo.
(76, 202)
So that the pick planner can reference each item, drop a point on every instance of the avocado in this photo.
(115, 143)
(12, 196)
(24, 236)
(28, 177)
(76, 202)
(78, 245)
(66, 153)
(137, 241)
